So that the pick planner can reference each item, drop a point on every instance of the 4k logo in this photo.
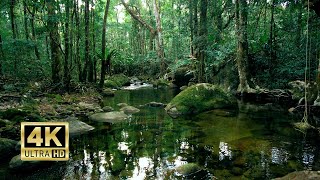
(44, 141)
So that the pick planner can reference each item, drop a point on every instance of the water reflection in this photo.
(152, 145)
(225, 151)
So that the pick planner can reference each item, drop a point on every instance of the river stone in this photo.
(121, 105)
(7, 147)
(78, 127)
(16, 164)
(110, 117)
(155, 104)
(107, 109)
(107, 92)
(130, 110)
(200, 98)
(187, 169)
(305, 175)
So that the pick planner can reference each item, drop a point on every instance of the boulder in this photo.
(200, 98)
(107, 109)
(16, 164)
(121, 105)
(155, 104)
(305, 175)
(107, 92)
(78, 127)
(7, 147)
(182, 76)
(298, 87)
(130, 110)
(110, 117)
(187, 169)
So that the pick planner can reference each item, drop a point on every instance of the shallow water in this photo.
(250, 144)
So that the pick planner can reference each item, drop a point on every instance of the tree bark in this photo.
(195, 28)
(94, 68)
(25, 19)
(55, 42)
(242, 49)
(87, 42)
(160, 49)
(202, 40)
(2, 57)
(77, 57)
(103, 46)
(12, 18)
(67, 76)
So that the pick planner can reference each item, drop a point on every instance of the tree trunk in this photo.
(25, 19)
(55, 42)
(94, 47)
(242, 50)
(103, 47)
(87, 42)
(77, 58)
(191, 26)
(33, 33)
(203, 40)
(195, 28)
(160, 50)
(66, 76)
(12, 18)
(2, 57)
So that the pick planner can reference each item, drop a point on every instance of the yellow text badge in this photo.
(44, 141)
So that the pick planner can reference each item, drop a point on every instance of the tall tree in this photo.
(242, 49)
(160, 50)
(55, 42)
(67, 76)
(2, 58)
(103, 45)
(202, 40)
(87, 59)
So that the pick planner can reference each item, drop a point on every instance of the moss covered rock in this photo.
(200, 98)
(110, 117)
(187, 169)
(117, 81)
(7, 147)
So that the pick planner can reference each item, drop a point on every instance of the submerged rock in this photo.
(121, 105)
(16, 164)
(78, 127)
(187, 169)
(130, 110)
(200, 98)
(7, 147)
(155, 104)
(305, 175)
(110, 117)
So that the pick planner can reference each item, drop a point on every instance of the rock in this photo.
(297, 89)
(291, 110)
(16, 164)
(130, 110)
(155, 104)
(107, 109)
(111, 84)
(18, 146)
(89, 107)
(305, 175)
(183, 88)
(4, 122)
(7, 147)
(200, 98)
(107, 92)
(77, 127)
(120, 79)
(187, 169)
(110, 117)
(122, 105)
(182, 76)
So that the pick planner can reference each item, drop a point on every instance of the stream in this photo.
(150, 145)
